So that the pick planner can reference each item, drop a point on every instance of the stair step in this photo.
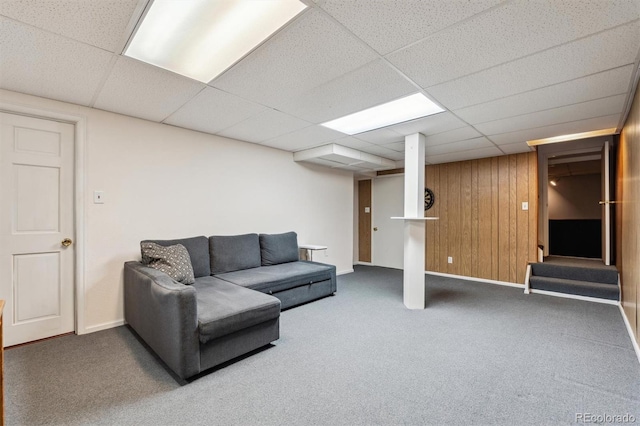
(596, 275)
(581, 288)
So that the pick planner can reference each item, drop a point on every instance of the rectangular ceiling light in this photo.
(200, 39)
(573, 137)
(394, 112)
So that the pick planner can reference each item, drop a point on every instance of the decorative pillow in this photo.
(279, 248)
(198, 248)
(172, 260)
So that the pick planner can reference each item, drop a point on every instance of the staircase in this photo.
(581, 277)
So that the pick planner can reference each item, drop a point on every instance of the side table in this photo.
(310, 248)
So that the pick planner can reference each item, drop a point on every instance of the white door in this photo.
(606, 207)
(388, 234)
(36, 215)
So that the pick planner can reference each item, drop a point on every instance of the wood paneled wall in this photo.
(628, 215)
(482, 224)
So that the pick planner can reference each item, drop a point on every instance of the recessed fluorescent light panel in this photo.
(200, 39)
(394, 112)
(573, 137)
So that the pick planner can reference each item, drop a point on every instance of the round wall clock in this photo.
(429, 199)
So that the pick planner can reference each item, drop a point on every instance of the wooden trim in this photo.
(364, 220)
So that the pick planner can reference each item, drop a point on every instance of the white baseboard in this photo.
(480, 280)
(348, 271)
(364, 263)
(575, 296)
(634, 342)
(103, 326)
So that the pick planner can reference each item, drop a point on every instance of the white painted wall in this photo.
(166, 182)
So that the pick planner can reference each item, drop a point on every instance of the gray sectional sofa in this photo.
(233, 307)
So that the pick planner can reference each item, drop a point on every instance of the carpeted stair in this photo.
(589, 281)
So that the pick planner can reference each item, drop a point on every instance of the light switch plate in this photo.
(525, 205)
(367, 209)
(449, 259)
(98, 197)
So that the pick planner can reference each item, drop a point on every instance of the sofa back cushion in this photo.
(198, 248)
(234, 252)
(279, 248)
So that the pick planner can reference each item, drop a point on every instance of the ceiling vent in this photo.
(340, 157)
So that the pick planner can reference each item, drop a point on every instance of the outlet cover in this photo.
(449, 259)
(525, 205)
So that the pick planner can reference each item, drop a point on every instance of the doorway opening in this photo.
(575, 215)
(575, 210)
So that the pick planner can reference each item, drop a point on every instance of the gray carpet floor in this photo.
(581, 262)
(479, 354)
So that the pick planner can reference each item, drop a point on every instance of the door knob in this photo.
(375, 229)
(67, 242)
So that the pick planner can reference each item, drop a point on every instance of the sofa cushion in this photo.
(224, 308)
(234, 252)
(172, 260)
(279, 248)
(280, 277)
(198, 248)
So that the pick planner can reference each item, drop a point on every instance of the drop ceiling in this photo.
(505, 71)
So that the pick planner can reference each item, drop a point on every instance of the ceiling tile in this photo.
(565, 114)
(590, 55)
(380, 136)
(463, 133)
(308, 137)
(395, 146)
(395, 155)
(382, 152)
(309, 52)
(141, 90)
(597, 123)
(515, 70)
(485, 41)
(351, 142)
(516, 148)
(467, 145)
(430, 125)
(264, 126)
(464, 155)
(213, 110)
(39, 63)
(404, 22)
(595, 86)
(100, 23)
(368, 86)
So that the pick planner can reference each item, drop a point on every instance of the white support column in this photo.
(414, 230)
